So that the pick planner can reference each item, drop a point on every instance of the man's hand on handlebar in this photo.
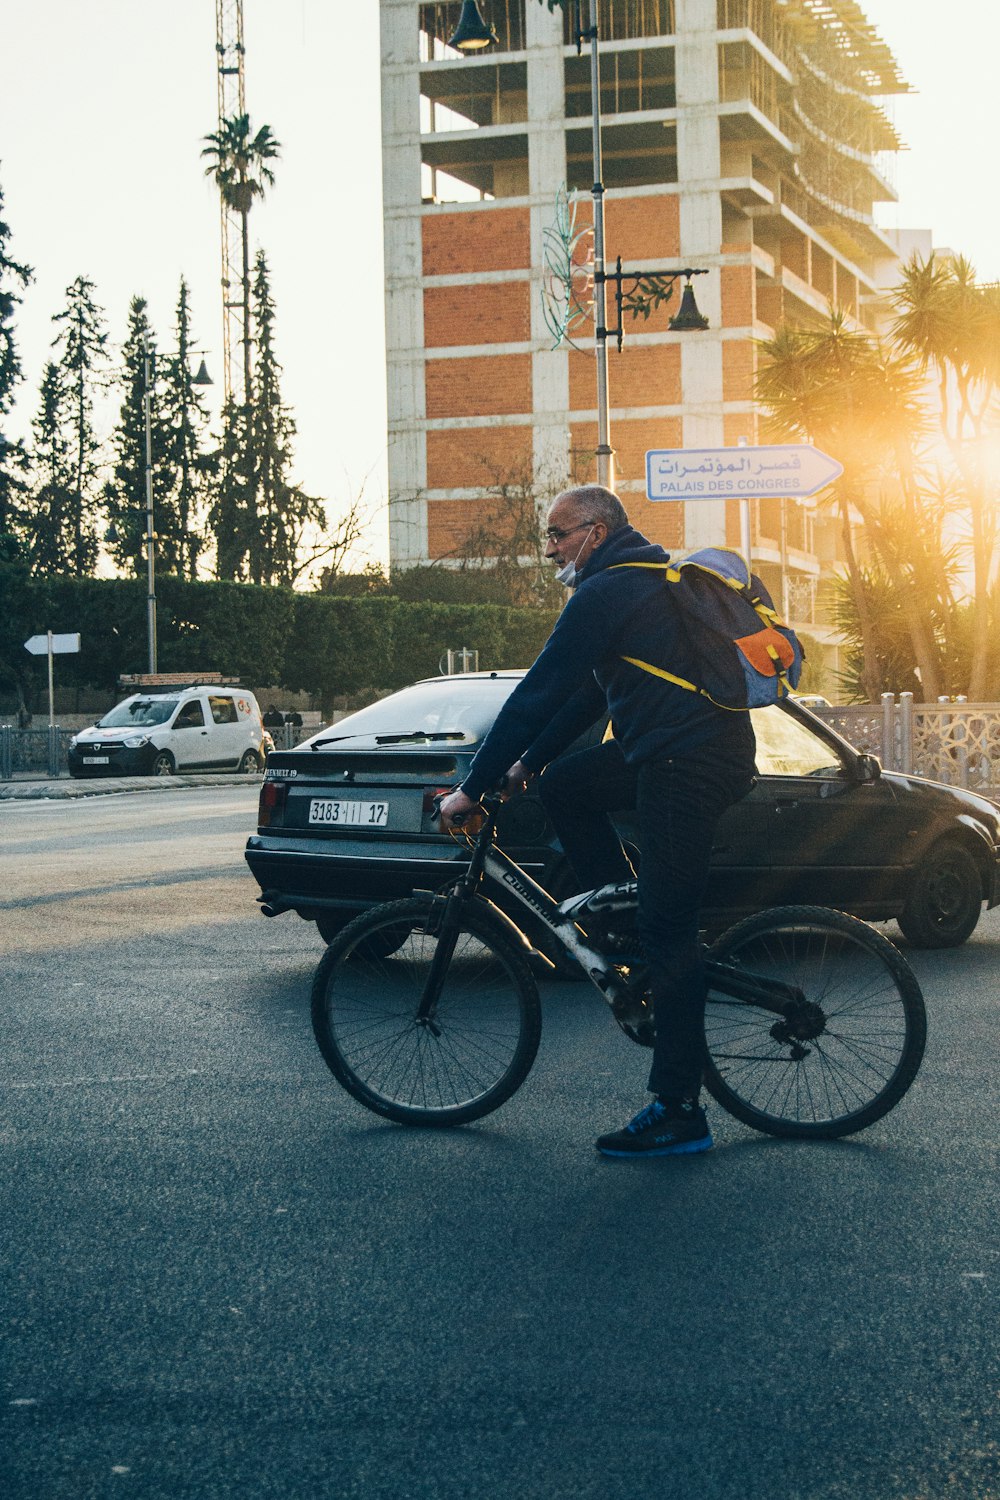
(516, 780)
(454, 809)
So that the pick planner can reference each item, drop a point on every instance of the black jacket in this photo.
(580, 674)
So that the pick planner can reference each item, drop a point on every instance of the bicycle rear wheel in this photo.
(459, 1063)
(837, 1062)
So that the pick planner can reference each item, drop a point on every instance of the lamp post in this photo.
(635, 291)
(201, 378)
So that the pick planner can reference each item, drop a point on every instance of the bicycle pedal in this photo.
(631, 1010)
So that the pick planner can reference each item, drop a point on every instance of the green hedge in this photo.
(315, 643)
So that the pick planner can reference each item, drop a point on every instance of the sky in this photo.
(103, 107)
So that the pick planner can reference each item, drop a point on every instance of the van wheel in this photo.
(249, 764)
(163, 764)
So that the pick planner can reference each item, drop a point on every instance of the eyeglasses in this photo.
(555, 535)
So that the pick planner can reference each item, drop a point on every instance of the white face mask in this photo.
(567, 574)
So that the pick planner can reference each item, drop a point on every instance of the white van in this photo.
(198, 728)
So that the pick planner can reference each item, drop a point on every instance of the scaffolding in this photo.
(232, 103)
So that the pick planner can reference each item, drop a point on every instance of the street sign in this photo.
(792, 470)
(47, 645)
(39, 644)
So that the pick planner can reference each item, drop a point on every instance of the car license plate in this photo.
(348, 814)
(97, 760)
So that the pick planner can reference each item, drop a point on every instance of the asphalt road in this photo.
(221, 1277)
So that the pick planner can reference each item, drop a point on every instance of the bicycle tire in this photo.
(487, 1023)
(867, 1047)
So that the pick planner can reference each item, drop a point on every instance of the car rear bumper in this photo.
(300, 880)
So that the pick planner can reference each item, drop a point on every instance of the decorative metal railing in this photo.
(954, 742)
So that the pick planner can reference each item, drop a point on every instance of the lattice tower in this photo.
(232, 102)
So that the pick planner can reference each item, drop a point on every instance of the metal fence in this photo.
(43, 752)
(33, 752)
(957, 743)
(954, 742)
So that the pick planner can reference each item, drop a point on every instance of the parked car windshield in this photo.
(452, 707)
(787, 748)
(138, 712)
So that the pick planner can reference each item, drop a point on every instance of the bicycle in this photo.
(427, 1012)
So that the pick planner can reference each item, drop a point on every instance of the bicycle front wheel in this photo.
(834, 1061)
(459, 1061)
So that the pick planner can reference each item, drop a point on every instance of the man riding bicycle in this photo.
(679, 760)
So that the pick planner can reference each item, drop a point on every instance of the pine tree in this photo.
(186, 424)
(282, 511)
(233, 502)
(82, 340)
(125, 493)
(13, 460)
(51, 540)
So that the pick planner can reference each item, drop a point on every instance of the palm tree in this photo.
(951, 326)
(239, 163)
(860, 401)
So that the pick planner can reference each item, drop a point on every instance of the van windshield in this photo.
(135, 712)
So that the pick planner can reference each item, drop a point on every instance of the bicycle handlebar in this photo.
(489, 801)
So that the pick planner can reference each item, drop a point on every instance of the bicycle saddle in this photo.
(619, 897)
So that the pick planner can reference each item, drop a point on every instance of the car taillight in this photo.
(271, 808)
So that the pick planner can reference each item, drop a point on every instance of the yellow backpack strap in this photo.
(646, 666)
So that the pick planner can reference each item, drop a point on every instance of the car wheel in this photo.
(249, 764)
(163, 764)
(945, 899)
(379, 945)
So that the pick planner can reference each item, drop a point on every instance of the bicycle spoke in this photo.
(455, 1062)
(833, 1061)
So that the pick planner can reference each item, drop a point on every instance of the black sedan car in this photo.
(346, 821)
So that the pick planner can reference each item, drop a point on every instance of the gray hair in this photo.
(594, 503)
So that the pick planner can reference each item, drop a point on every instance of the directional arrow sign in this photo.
(792, 469)
(39, 644)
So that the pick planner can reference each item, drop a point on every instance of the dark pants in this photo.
(679, 800)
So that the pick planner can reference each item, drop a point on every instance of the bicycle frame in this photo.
(490, 864)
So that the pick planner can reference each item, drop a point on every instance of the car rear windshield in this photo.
(138, 712)
(464, 710)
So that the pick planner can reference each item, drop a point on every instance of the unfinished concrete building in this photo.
(743, 136)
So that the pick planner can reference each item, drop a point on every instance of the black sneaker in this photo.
(654, 1132)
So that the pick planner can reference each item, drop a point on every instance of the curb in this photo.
(69, 790)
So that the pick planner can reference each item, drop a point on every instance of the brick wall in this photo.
(738, 285)
(737, 370)
(473, 456)
(637, 229)
(449, 522)
(631, 441)
(476, 241)
(490, 313)
(643, 375)
(479, 386)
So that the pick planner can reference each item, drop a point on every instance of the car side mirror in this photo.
(868, 768)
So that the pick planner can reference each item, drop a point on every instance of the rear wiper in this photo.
(394, 739)
(420, 734)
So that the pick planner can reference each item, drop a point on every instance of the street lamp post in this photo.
(147, 394)
(201, 378)
(635, 291)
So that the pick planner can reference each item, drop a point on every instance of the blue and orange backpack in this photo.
(746, 656)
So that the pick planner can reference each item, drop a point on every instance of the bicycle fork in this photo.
(447, 935)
